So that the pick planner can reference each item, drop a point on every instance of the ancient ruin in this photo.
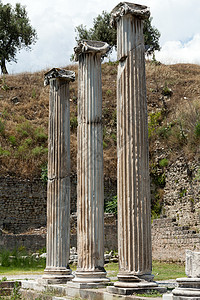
(58, 188)
(189, 287)
(134, 210)
(90, 189)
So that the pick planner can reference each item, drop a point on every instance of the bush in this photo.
(2, 127)
(44, 173)
(39, 150)
(12, 140)
(163, 162)
(73, 123)
(197, 129)
(40, 136)
(4, 152)
(111, 206)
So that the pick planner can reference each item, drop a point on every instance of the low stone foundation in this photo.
(169, 240)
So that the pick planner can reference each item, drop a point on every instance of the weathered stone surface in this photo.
(134, 212)
(58, 188)
(192, 266)
(90, 189)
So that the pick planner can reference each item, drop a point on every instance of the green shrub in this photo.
(4, 256)
(105, 145)
(12, 140)
(33, 93)
(4, 152)
(15, 295)
(39, 150)
(167, 91)
(2, 127)
(108, 93)
(111, 206)
(27, 142)
(24, 129)
(73, 123)
(154, 121)
(44, 173)
(197, 129)
(163, 162)
(40, 136)
(165, 131)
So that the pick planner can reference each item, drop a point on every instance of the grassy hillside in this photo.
(173, 94)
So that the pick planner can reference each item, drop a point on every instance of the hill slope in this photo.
(173, 94)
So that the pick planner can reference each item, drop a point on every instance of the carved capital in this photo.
(58, 73)
(86, 46)
(125, 8)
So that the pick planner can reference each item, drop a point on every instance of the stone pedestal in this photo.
(90, 189)
(58, 188)
(134, 207)
(189, 287)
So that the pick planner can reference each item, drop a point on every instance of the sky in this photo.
(177, 20)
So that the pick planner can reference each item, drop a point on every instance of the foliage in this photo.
(150, 294)
(154, 121)
(20, 258)
(157, 175)
(151, 37)
(4, 152)
(163, 162)
(73, 123)
(103, 31)
(111, 206)
(16, 33)
(16, 293)
(44, 173)
(167, 91)
(197, 129)
(2, 126)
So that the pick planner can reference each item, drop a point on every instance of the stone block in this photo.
(192, 266)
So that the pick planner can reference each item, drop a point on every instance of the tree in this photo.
(102, 31)
(16, 33)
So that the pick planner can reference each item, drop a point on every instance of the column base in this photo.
(129, 284)
(89, 279)
(131, 278)
(56, 276)
(188, 288)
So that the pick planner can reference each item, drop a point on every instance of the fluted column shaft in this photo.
(90, 188)
(58, 187)
(134, 210)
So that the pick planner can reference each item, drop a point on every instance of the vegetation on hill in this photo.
(173, 94)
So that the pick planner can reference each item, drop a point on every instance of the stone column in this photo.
(58, 188)
(134, 207)
(90, 188)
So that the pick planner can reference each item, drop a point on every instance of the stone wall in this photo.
(169, 240)
(36, 239)
(23, 202)
(182, 193)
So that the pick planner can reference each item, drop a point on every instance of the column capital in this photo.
(86, 46)
(125, 8)
(65, 75)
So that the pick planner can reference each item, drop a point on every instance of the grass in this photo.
(161, 270)
(165, 271)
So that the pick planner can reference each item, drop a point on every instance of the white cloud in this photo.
(177, 20)
(177, 52)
